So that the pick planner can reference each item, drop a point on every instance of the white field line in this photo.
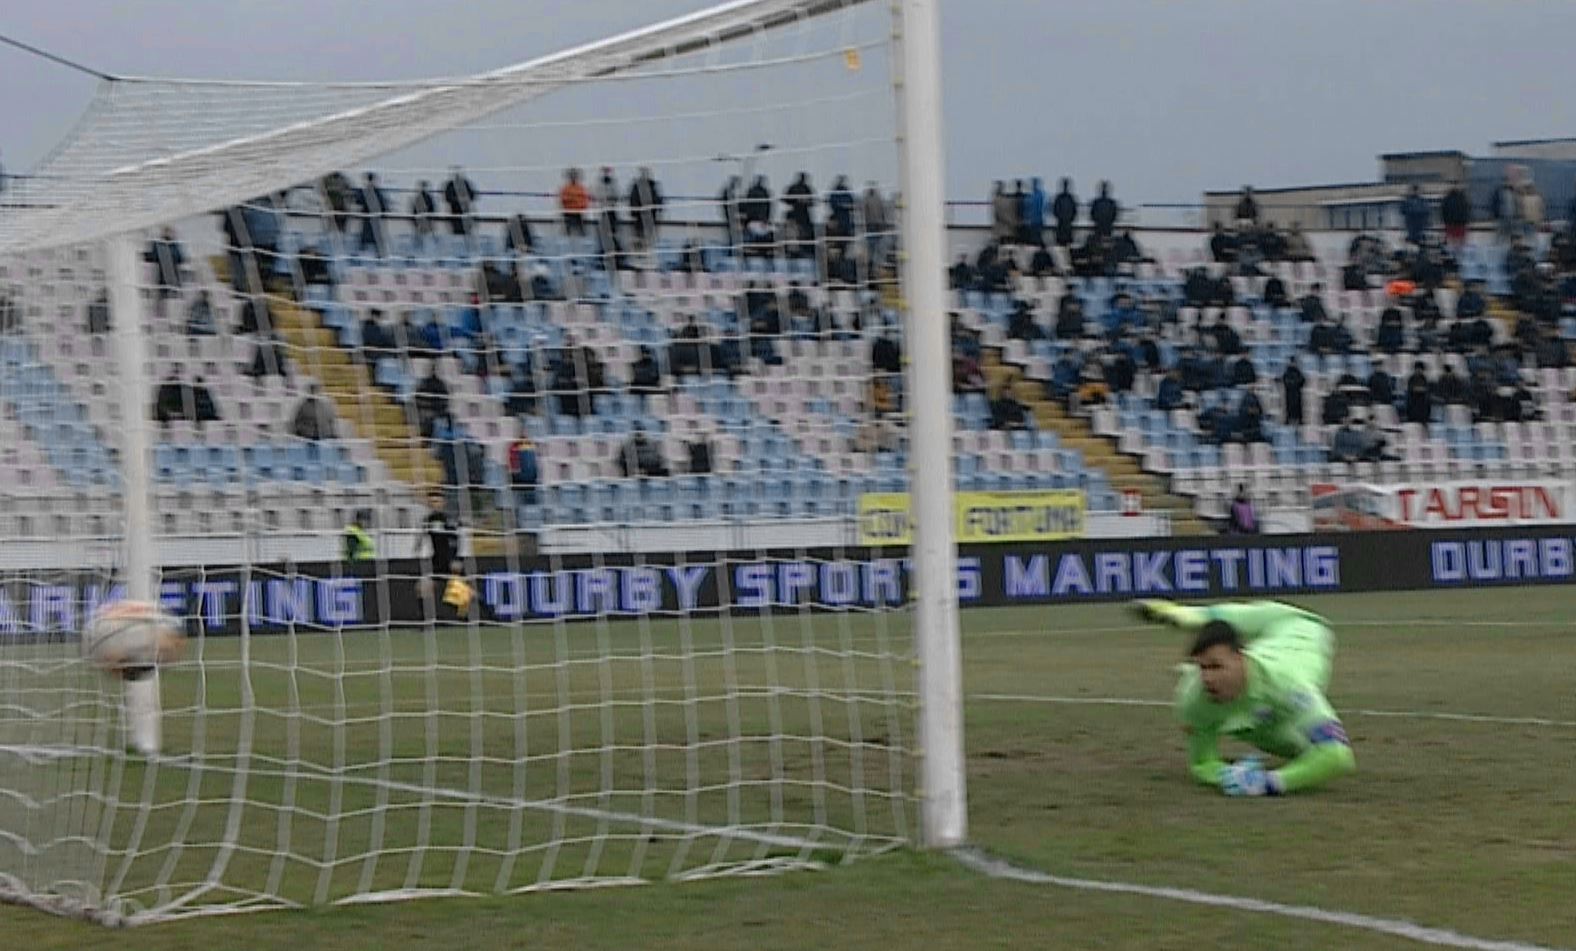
(1395, 927)
(638, 696)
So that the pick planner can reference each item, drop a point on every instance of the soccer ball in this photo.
(131, 634)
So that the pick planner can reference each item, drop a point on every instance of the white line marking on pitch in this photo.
(1393, 714)
(1395, 927)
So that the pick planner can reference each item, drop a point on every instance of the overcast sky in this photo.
(1166, 99)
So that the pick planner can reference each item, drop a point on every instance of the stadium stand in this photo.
(721, 373)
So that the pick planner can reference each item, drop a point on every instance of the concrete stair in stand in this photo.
(1101, 453)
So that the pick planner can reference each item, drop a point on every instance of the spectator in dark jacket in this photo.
(1312, 305)
(1292, 382)
(1064, 209)
(1247, 207)
(460, 195)
(1170, 394)
(374, 206)
(423, 211)
(1103, 212)
(1456, 213)
(1416, 214)
(1419, 397)
(1381, 387)
(1222, 245)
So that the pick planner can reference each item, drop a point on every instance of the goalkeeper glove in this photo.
(1154, 610)
(1248, 777)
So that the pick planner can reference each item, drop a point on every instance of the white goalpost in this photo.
(500, 441)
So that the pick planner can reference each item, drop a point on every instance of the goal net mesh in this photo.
(515, 531)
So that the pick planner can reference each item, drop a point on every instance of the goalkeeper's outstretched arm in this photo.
(1249, 618)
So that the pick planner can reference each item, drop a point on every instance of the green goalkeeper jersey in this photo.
(1282, 709)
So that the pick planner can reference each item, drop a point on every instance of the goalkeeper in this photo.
(1258, 673)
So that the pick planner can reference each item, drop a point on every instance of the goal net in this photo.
(500, 441)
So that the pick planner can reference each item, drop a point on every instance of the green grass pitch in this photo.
(1453, 823)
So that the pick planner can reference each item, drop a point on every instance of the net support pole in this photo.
(943, 797)
(141, 694)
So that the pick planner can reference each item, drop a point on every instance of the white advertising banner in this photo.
(1478, 504)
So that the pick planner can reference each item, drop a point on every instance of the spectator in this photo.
(1170, 395)
(1340, 337)
(521, 399)
(1532, 211)
(1004, 214)
(1450, 389)
(1416, 214)
(376, 341)
(1031, 215)
(1064, 209)
(885, 355)
(729, 200)
(169, 401)
(962, 276)
(1337, 406)
(1103, 212)
(1381, 387)
(1120, 369)
(1227, 342)
(10, 319)
(1250, 418)
(423, 211)
(573, 202)
(524, 470)
(879, 226)
(1375, 442)
(700, 455)
(840, 210)
(1419, 397)
(1241, 519)
(1043, 264)
(1292, 382)
(314, 417)
(1070, 320)
(799, 197)
(1247, 211)
(1455, 210)
(459, 194)
(645, 209)
(1223, 246)
(1297, 249)
(1390, 337)
(1275, 294)
(1312, 305)
(645, 375)
(374, 206)
(607, 198)
(199, 317)
(1471, 303)
(98, 314)
(1006, 413)
(432, 400)
(967, 376)
(1021, 325)
(338, 195)
(1506, 207)
(1243, 372)
(641, 457)
(1348, 445)
(203, 408)
(757, 205)
(167, 257)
